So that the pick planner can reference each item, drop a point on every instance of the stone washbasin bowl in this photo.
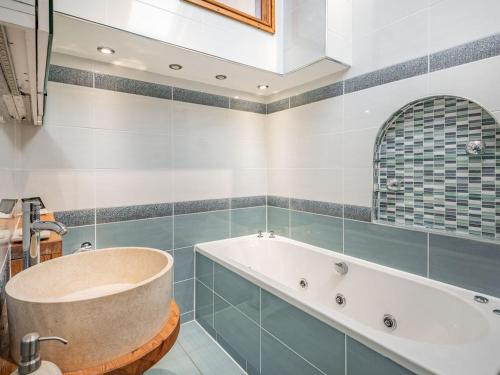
(106, 303)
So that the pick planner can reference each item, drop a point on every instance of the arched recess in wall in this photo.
(437, 166)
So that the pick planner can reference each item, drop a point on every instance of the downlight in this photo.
(106, 50)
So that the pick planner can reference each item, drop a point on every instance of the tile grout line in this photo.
(258, 324)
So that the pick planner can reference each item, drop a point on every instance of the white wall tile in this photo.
(279, 182)
(374, 106)
(8, 145)
(358, 148)
(69, 105)
(132, 187)
(121, 111)
(454, 22)
(478, 81)
(249, 182)
(59, 189)
(57, 147)
(195, 184)
(132, 150)
(317, 184)
(401, 41)
(358, 186)
(8, 187)
(372, 15)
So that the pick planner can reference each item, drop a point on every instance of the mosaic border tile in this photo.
(389, 74)
(132, 86)
(76, 218)
(465, 53)
(198, 97)
(247, 106)
(322, 93)
(205, 205)
(72, 76)
(359, 213)
(245, 202)
(276, 201)
(316, 207)
(278, 105)
(126, 213)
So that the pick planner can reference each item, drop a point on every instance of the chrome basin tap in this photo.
(32, 226)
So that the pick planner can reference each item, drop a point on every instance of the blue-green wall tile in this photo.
(231, 351)
(318, 230)
(76, 236)
(246, 221)
(155, 233)
(237, 330)
(238, 291)
(278, 359)
(361, 360)
(187, 317)
(195, 228)
(312, 339)
(184, 295)
(393, 247)
(205, 270)
(278, 220)
(204, 307)
(466, 263)
(183, 264)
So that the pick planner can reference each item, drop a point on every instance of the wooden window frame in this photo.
(267, 23)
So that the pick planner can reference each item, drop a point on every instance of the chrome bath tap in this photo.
(32, 226)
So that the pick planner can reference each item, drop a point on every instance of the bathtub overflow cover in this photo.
(303, 283)
(481, 299)
(389, 321)
(340, 300)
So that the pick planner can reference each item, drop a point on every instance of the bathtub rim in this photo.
(345, 325)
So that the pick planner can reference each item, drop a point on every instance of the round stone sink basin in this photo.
(106, 303)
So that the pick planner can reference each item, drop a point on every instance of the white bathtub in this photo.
(440, 328)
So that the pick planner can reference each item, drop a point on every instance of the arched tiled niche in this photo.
(424, 176)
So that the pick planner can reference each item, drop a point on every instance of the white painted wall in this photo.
(324, 151)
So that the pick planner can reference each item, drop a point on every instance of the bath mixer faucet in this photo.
(341, 268)
(271, 234)
(32, 226)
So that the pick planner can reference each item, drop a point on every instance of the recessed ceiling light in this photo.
(106, 50)
(263, 87)
(236, 97)
(220, 77)
(175, 66)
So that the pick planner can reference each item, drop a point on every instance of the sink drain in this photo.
(390, 321)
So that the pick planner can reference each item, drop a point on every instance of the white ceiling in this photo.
(80, 38)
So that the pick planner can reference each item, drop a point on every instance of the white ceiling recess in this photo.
(77, 37)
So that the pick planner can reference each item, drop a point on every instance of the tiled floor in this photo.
(195, 353)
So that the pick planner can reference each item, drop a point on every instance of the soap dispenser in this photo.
(30, 362)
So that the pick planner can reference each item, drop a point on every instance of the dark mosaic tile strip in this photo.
(392, 73)
(192, 207)
(198, 97)
(316, 207)
(466, 53)
(145, 211)
(244, 202)
(247, 106)
(76, 218)
(322, 93)
(132, 86)
(280, 202)
(278, 105)
(70, 76)
(359, 213)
